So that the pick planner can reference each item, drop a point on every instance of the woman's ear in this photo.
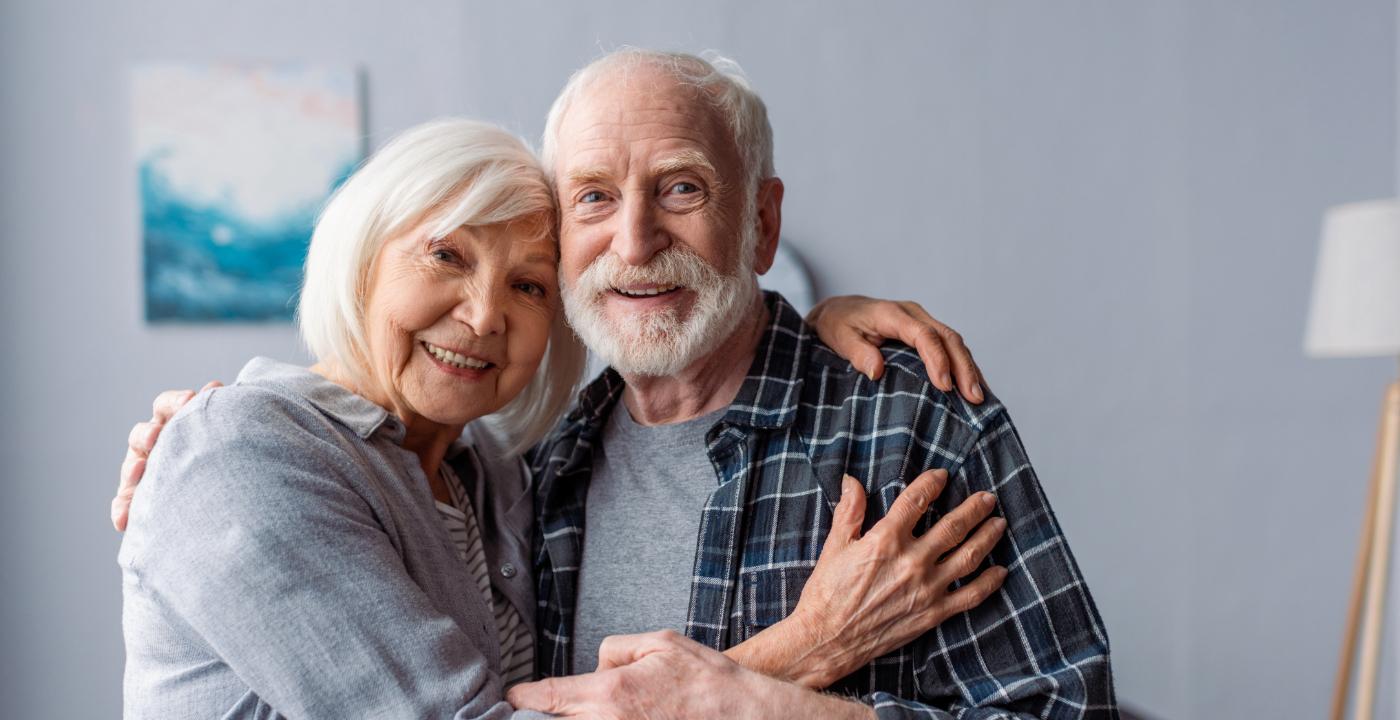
(770, 223)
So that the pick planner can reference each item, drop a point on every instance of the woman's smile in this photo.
(466, 365)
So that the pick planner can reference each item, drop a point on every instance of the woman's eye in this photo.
(444, 255)
(531, 288)
(593, 196)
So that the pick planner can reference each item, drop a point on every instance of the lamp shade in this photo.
(1356, 289)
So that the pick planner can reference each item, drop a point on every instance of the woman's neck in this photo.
(425, 438)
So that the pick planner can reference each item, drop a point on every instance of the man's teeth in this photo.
(648, 292)
(455, 360)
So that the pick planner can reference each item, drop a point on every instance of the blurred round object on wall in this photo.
(789, 276)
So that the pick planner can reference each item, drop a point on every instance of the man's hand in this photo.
(663, 675)
(868, 596)
(855, 325)
(138, 447)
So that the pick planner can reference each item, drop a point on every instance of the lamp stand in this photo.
(1372, 565)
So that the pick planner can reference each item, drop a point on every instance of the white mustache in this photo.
(672, 266)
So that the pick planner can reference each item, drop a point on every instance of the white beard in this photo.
(658, 343)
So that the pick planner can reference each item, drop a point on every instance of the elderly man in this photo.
(670, 209)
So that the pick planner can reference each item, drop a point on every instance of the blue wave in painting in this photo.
(204, 262)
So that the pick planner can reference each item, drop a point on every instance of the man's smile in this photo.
(649, 290)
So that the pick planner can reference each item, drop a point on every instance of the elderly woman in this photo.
(314, 541)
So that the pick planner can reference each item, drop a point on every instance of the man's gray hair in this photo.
(740, 108)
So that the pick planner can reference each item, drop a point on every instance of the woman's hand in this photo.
(869, 595)
(855, 326)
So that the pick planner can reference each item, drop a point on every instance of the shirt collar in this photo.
(335, 401)
(771, 392)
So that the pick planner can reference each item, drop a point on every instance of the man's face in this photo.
(657, 239)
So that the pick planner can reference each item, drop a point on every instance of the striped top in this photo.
(517, 645)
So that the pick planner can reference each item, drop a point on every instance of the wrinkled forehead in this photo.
(626, 106)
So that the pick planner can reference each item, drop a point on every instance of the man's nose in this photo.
(483, 310)
(639, 236)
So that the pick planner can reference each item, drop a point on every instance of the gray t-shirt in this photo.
(641, 522)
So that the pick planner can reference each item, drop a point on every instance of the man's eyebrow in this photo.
(686, 160)
(583, 176)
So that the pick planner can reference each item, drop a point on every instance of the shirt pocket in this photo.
(769, 595)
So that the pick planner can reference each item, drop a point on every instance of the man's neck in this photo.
(708, 384)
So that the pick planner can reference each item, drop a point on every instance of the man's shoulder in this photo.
(903, 393)
(886, 431)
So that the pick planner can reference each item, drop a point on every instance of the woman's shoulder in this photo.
(254, 453)
(278, 400)
(276, 423)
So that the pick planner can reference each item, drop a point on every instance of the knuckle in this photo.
(139, 431)
(882, 543)
(611, 684)
(967, 559)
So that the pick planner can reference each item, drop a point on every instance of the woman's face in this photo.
(457, 325)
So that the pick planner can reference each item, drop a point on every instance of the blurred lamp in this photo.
(1356, 313)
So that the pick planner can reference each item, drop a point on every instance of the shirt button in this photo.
(508, 571)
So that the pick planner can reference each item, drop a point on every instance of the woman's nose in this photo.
(482, 310)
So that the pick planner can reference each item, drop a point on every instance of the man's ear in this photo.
(770, 223)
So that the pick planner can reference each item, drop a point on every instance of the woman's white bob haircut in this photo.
(446, 173)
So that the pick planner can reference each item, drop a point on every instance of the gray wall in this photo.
(1116, 202)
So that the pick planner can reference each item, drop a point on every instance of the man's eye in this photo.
(593, 196)
(685, 188)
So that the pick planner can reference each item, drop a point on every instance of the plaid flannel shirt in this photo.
(801, 420)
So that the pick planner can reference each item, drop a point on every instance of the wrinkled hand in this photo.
(662, 675)
(139, 444)
(855, 326)
(869, 595)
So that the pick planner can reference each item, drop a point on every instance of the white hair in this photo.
(448, 173)
(722, 81)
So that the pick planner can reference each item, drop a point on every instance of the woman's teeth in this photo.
(648, 292)
(455, 360)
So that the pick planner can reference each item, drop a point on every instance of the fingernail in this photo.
(999, 523)
(977, 393)
(988, 500)
(945, 381)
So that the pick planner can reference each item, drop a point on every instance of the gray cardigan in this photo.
(285, 558)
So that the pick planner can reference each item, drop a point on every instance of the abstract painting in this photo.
(234, 163)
